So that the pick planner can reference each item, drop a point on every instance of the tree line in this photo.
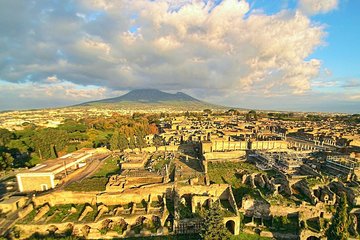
(30, 146)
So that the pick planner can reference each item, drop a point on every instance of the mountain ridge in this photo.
(153, 98)
(148, 95)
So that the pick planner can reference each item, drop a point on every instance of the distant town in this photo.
(97, 173)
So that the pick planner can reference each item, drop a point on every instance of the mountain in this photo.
(152, 99)
(148, 95)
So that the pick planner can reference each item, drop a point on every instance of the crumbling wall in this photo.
(65, 197)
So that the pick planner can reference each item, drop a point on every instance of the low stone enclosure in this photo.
(134, 212)
(90, 217)
(167, 208)
(111, 224)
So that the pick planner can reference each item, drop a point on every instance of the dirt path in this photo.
(87, 172)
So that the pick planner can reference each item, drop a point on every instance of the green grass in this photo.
(88, 184)
(246, 236)
(160, 163)
(75, 216)
(108, 168)
(90, 217)
(284, 201)
(63, 212)
(224, 172)
(313, 181)
(155, 204)
(58, 213)
(185, 211)
(29, 218)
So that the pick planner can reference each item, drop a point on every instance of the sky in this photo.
(297, 55)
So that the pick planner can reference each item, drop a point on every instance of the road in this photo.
(90, 169)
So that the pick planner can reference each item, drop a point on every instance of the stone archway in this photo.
(313, 238)
(230, 225)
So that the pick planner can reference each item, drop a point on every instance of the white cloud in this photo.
(57, 90)
(313, 7)
(170, 45)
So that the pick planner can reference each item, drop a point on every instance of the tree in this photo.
(123, 142)
(48, 141)
(340, 221)
(132, 144)
(153, 129)
(114, 141)
(5, 136)
(158, 141)
(6, 161)
(251, 115)
(140, 142)
(232, 112)
(207, 111)
(212, 225)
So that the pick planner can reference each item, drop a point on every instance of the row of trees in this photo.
(32, 145)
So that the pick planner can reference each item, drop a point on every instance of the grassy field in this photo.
(109, 167)
(98, 181)
(225, 172)
(88, 184)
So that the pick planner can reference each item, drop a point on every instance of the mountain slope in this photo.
(152, 99)
(149, 95)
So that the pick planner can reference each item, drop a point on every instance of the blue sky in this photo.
(341, 54)
(300, 55)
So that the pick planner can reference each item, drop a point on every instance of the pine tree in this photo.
(132, 144)
(140, 142)
(123, 142)
(213, 227)
(340, 221)
(114, 141)
(158, 141)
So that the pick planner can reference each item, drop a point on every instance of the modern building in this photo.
(50, 173)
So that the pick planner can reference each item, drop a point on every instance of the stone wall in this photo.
(267, 145)
(219, 146)
(171, 148)
(65, 197)
(216, 190)
(226, 146)
(133, 195)
(111, 198)
(224, 155)
(25, 211)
